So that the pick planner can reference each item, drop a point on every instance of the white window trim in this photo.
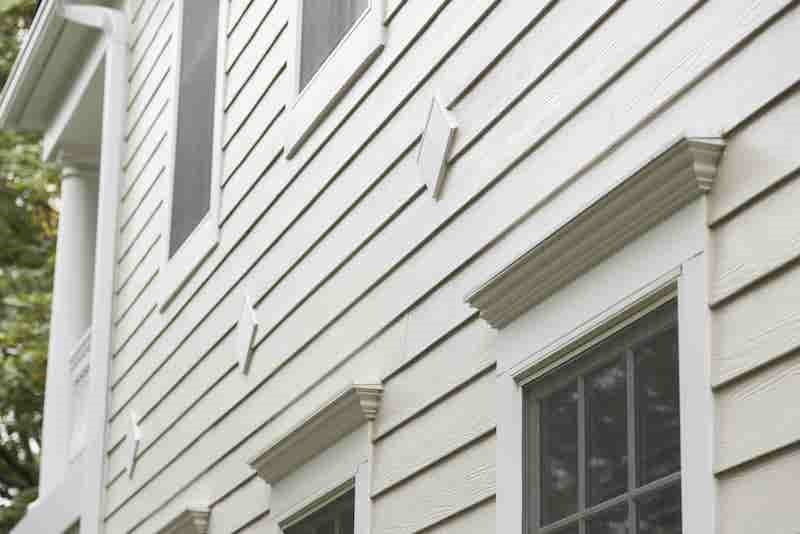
(683, 276)
(354, 53)
(175, 271)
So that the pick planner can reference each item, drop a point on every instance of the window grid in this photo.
(577, 522)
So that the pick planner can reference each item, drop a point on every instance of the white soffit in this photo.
(189, 521)
(435, 145)
(338, 417)
(666, 183)
(245, 335)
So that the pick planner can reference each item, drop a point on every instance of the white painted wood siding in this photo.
(355, 271)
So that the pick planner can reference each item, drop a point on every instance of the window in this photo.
(335, 517)
(335, 42)
(191, 188)
(192, 210)
(324, 24)
(603, 436)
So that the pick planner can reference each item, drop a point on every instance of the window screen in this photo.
(191, 193)
(603, 437)
(324, 24)
(336, 517)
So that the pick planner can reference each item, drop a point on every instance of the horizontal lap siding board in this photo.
(761, 497)
(358, 271)
(755, 283)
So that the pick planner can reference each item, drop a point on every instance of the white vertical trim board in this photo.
(556, 330)
(204, 238)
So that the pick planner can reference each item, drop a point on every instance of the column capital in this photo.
(78, 161)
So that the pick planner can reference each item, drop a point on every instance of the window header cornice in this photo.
(189, 521)
(666, 183)
(339, 416)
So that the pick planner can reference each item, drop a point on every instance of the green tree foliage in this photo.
(28, 220)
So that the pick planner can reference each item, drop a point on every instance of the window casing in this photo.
(603, 446)
(324, 23)
(349, 36)
(191, 229)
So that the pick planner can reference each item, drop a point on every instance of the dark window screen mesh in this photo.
(337, 517)
(191, 195)
(325, 22)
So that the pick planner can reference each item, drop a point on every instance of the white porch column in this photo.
(71, 315)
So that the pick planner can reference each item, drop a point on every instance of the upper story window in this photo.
(603, 435)
(335, 42)
(324, 25)
(192, 183)
(192, 211)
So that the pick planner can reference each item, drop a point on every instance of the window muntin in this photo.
(192, 182)
(324, 24)
(603, 436)
(336, 517)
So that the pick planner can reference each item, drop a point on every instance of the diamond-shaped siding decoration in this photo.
(435, 145)
(135, 439)
(245, 335)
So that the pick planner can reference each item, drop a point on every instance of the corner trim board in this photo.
(682, 172)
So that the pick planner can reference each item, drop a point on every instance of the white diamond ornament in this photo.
(135, 438)
(245, 335)
(435, 145)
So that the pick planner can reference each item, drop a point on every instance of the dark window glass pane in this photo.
(613, 521)
(191, 194)
(325, 23)
(660, 513)
(657, 412)
(324, 521)
(606, 433)
(559, 467)
(569, 530)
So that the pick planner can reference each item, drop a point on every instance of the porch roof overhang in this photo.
(50, 69)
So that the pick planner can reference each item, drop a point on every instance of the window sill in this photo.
(186, 260)
(357, 50)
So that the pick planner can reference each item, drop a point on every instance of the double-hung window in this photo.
(192, 228)
(603, 436)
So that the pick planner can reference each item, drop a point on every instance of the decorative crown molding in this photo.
(189, 521)
(335, 419)
(666, 183)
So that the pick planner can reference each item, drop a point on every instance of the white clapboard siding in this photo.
(758, 157)
(435, 374)
(256, 52)
(426, 440)
(759, 240)
(358, 274)
(464, 480)
(255, 92)
(243, 35)
(246, 505)
(399, 288)
(480, 519)
(756, 415)
(761, 497)
(757, 327)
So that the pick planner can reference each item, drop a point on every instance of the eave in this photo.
(46, 65)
